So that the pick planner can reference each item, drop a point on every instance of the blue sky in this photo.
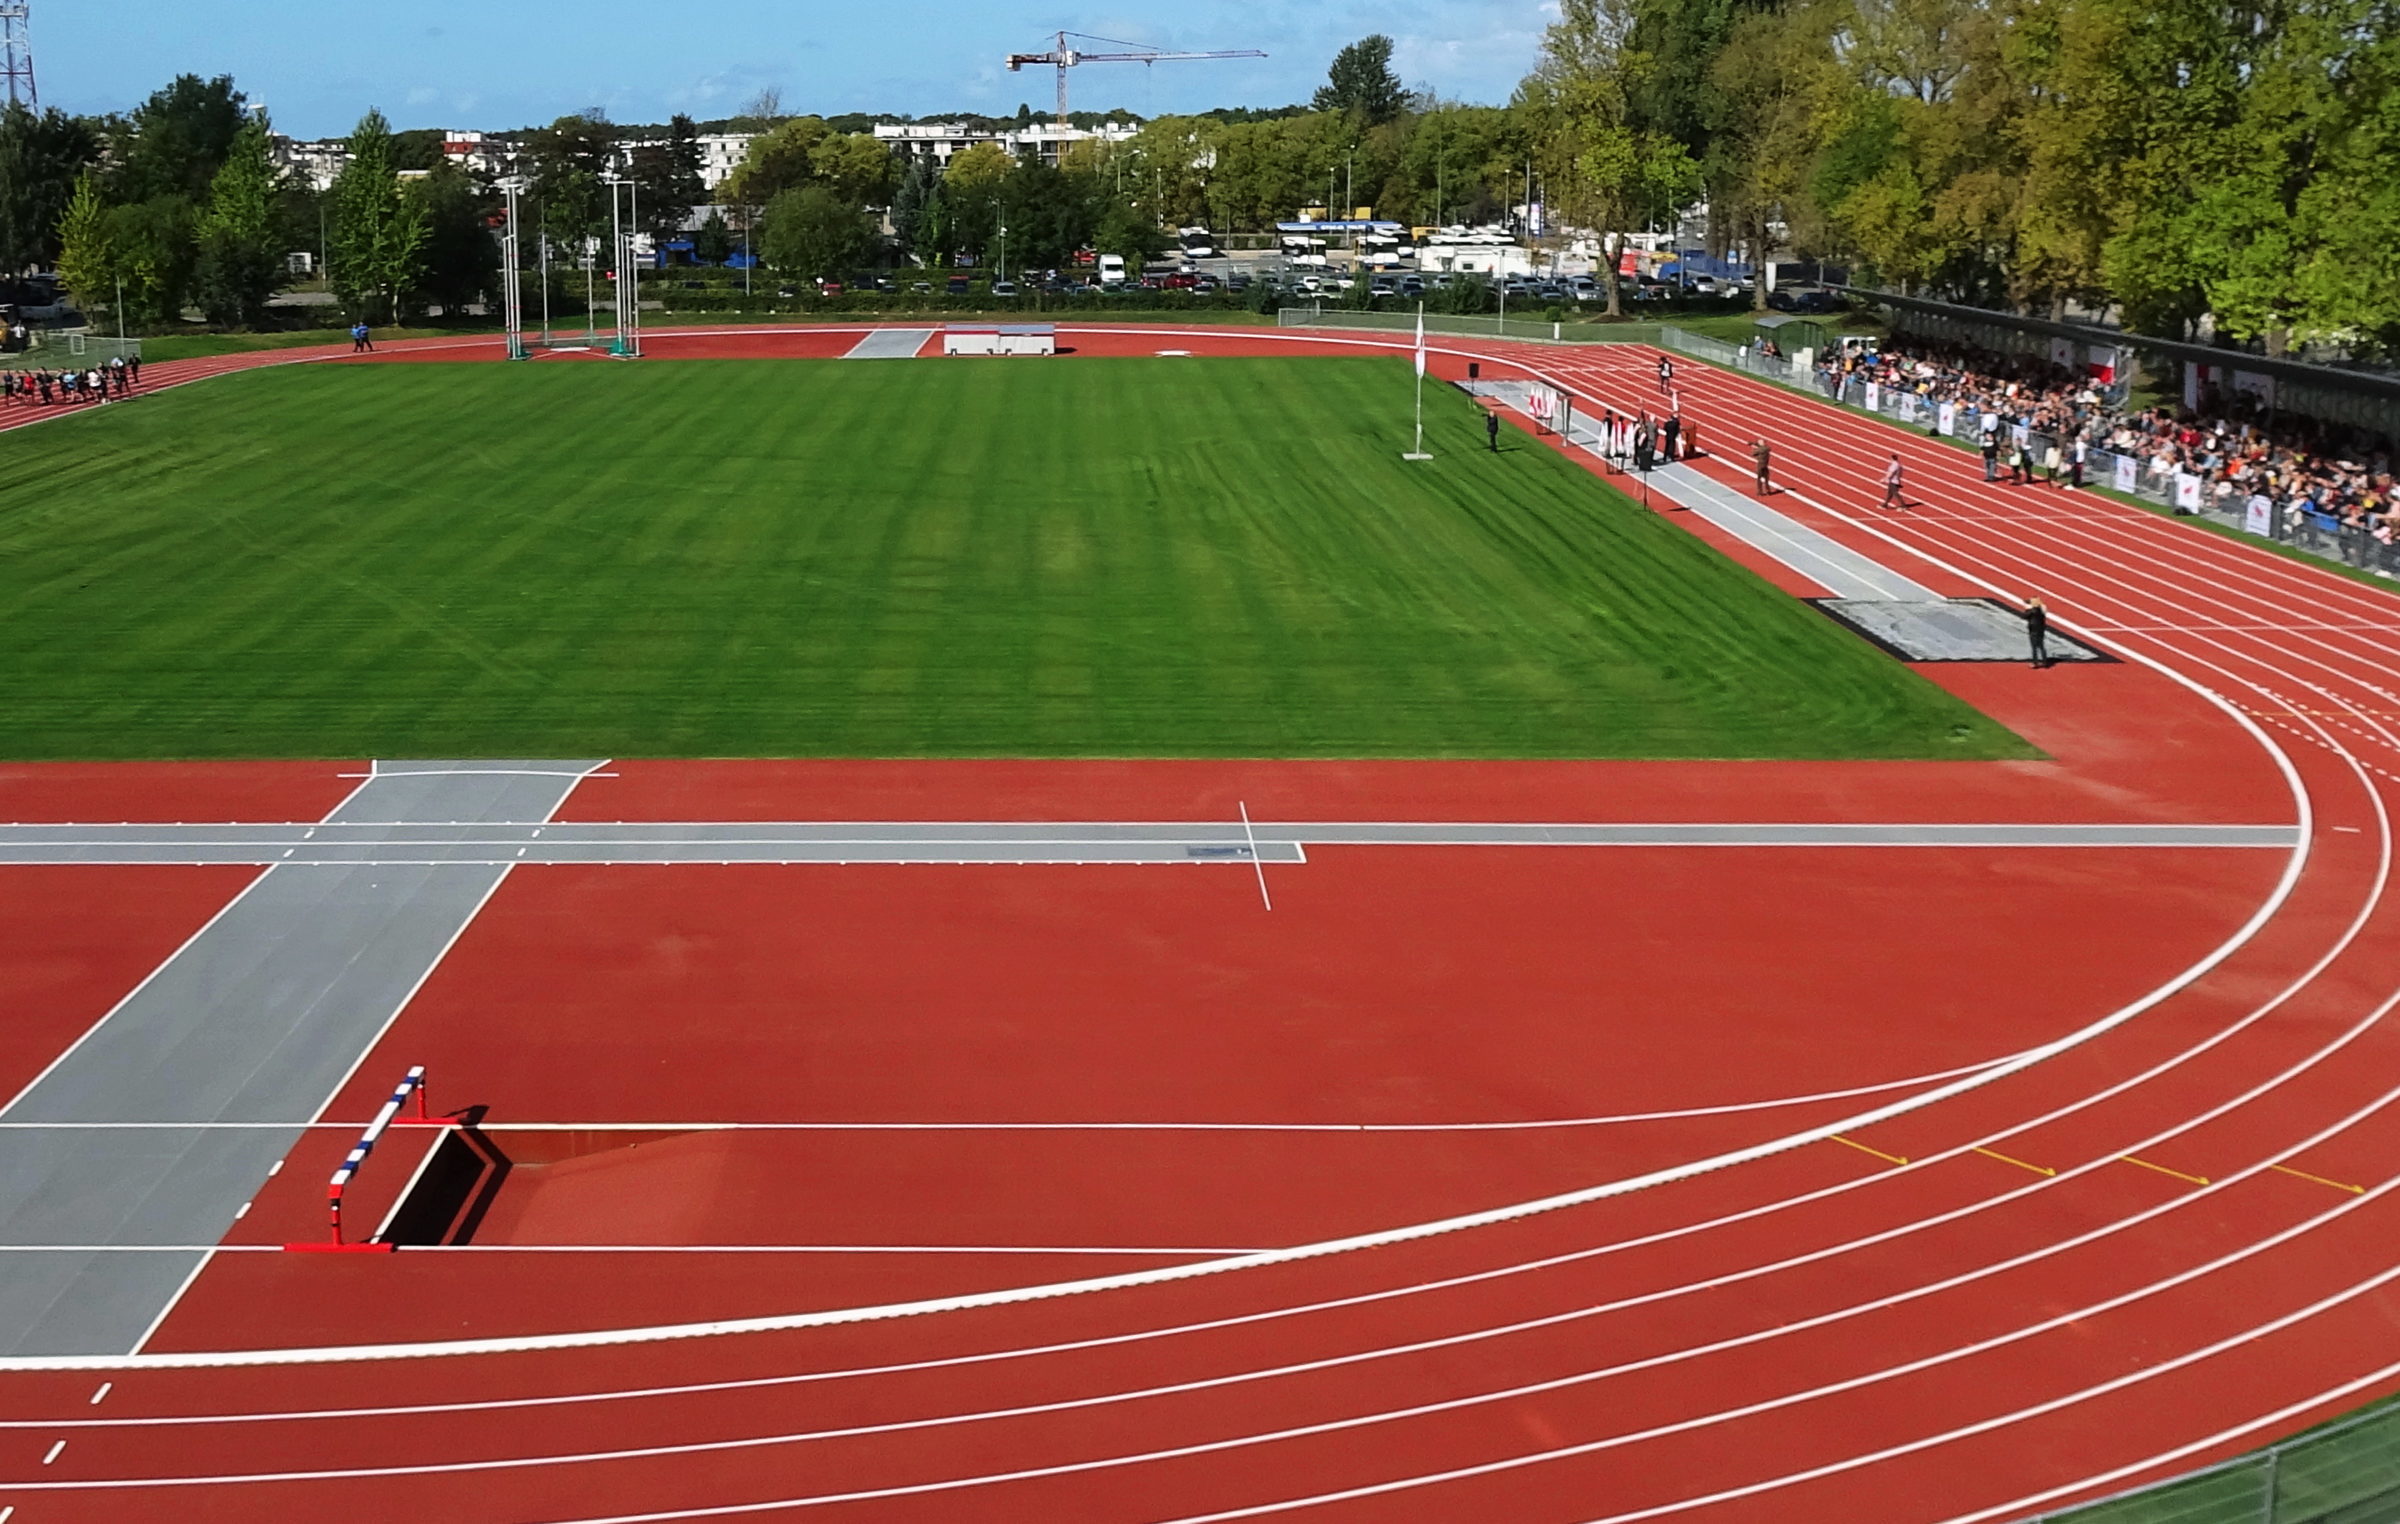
(508, 63)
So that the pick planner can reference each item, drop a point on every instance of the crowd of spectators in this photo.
(58, 388)
(2231, 442)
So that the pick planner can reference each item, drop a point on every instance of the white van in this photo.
(1112, 269)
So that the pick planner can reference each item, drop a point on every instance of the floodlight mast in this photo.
(16, 54)
(1065, 57)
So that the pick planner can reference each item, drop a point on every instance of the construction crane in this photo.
(1067, 57)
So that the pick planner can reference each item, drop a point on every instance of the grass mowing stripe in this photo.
(1091, 558)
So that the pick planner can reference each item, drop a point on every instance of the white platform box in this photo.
(1000, 339)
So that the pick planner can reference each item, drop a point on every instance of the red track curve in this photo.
(1957, 1339)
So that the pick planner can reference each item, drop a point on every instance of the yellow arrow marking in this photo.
(2162, 1169)
(1862, 1148)
(2301, 1174)
(2019, 1163)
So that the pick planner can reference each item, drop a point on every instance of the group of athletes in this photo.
(115, 380)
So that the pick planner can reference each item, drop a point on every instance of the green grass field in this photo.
(782, 558)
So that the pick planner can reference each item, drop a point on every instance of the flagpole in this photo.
(1419, 452)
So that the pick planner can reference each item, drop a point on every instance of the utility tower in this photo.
(1066, 57)
(16, 53)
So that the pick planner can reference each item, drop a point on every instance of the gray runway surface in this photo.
(501, 844)
(256, 1019)
(890, 344)
(1834, 566)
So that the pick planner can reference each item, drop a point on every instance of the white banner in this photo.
(2187, 492)
(2258, 515)
(1948, 422)
(1874, 396)
(2123, 474)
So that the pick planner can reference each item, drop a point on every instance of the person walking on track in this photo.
(1892, 482)
(1991, 447)
(1762, 462)
(2037, 630)
(1666, 376)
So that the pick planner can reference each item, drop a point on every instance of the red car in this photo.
(1182, 282)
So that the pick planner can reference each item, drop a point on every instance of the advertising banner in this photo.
(2187, 492)
(2258, 515)
(2123, 473)
(1948, 419)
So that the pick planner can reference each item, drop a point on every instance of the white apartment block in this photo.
(943, 141)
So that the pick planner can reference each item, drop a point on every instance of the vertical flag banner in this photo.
(1419, 452)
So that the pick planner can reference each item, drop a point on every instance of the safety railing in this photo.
(1455, 325)
(2344, 1472)
(2048, 458)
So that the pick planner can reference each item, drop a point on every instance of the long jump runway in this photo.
(2143, 1243)
(259, 1018)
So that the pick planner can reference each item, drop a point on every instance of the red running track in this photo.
(2116, 1262)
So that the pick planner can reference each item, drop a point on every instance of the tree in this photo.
(1603, 167)
(571, 160)
(1362, 83)
(462, 256)
(910, 205)
(813, 233)
(854, 166)
(668, 181)
(713, 243)
(779, 160)
(418, 148)
(42, 155)
(1128, 233)
(87, 256)
(379, 233)
(241, 262)
(175, 142)
(154, 247)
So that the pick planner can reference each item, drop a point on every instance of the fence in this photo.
(2346, 1472)
(2289, 523)
(68, 348)
(1452, 325)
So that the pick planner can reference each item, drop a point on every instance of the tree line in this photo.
(2168, 162)
(2176, 164)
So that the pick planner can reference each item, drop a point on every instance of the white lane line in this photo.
(56, 1450)
(1540, 1124)
(1355, 1422)
(207, 1253)
(105, 1388)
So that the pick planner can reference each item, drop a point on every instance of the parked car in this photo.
(1383, 285)
(922, 288)
(1182, 280)
(958, 285)
(1004, 288)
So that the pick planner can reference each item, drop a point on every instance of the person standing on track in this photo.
(1892, 482)
(2078, 455)
(1666, 376)
(1762, 463)
(362, 339)
(1669, 432)
(2037, 631)
(1991, 446)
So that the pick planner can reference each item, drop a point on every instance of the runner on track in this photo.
(1892, 497)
